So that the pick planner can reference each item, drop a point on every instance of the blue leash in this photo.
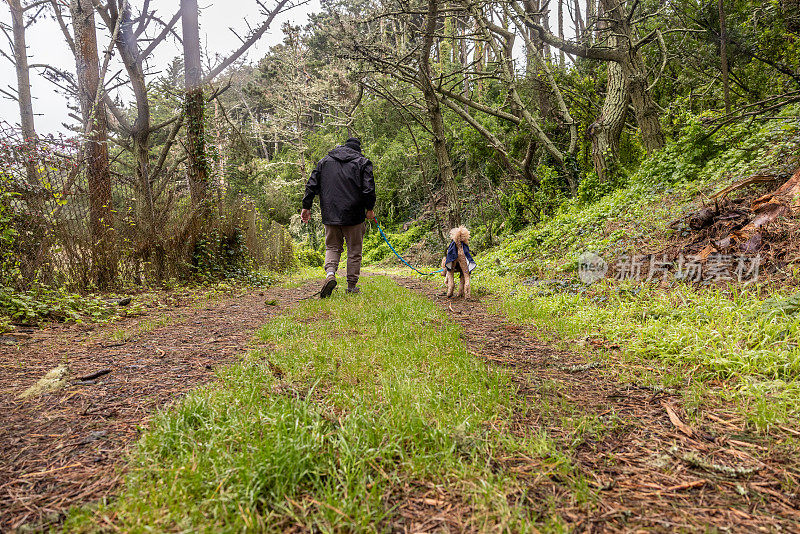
(398, 255)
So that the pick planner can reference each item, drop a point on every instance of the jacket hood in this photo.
(344, 153)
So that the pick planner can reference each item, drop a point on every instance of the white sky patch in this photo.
(46, 45)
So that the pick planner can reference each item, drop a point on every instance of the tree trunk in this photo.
(197, 163)
(152, 248)
(723, 56)
(606, 130)
(464, 57)
(141, 154)
(591, 20)
(197, 172)
(440, 230)
(442, 154)
(98, 172)
(635, 72)
(561, 59)
(580, 26)
(644, 107)
(791, 13)
(301, 147)
(219, 127)
(478, 57)
(23, 86)
(531, 8)
(435, 115)
(545, 18)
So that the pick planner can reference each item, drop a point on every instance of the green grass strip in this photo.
(705, 341)
(359, 403)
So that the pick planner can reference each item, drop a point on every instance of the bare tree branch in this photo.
(250, 41)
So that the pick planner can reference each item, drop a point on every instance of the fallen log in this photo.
(702, 218)
(783, 202)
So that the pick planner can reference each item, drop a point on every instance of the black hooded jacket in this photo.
(343, 180)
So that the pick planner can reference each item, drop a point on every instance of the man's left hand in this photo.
(371, 216)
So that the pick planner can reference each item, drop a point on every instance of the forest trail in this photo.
(647, 471)
(65, 449)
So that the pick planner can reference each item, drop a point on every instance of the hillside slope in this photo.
(729, 331)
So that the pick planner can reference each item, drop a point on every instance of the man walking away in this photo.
(343, 180)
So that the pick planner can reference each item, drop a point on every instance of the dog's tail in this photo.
(460, 235)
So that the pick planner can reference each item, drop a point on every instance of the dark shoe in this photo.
(353, 290)
(327, 287)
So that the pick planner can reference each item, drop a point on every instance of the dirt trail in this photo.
(66, 448)
(647, 472)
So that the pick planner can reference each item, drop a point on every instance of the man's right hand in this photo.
(371, 216)
(305, 215)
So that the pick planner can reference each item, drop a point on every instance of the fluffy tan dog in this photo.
(460, 237)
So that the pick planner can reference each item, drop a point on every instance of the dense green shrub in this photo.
(7, 232)
(308, 257)
(376, 249)
(42, 302)
(216, 254)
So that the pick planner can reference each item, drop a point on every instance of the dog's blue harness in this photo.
(452, 256)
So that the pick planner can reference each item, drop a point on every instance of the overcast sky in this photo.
(46, 45)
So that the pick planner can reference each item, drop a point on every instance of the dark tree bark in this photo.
(435, 114)
(23, 85)
(634, 69)
(194, 104)
(532, 11)
(544, 10)
(561, 58)
(580, 25)
(791, 12)
(723, 56)
(101, 210)
(606, 130)
(645, 108)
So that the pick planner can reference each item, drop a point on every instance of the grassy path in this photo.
(401, 411)
(360, 413)
(66, 448)
(630, 447)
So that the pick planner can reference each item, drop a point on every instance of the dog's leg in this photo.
(464, 268)
(451, 283)
(467, 292)
(444, 270)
